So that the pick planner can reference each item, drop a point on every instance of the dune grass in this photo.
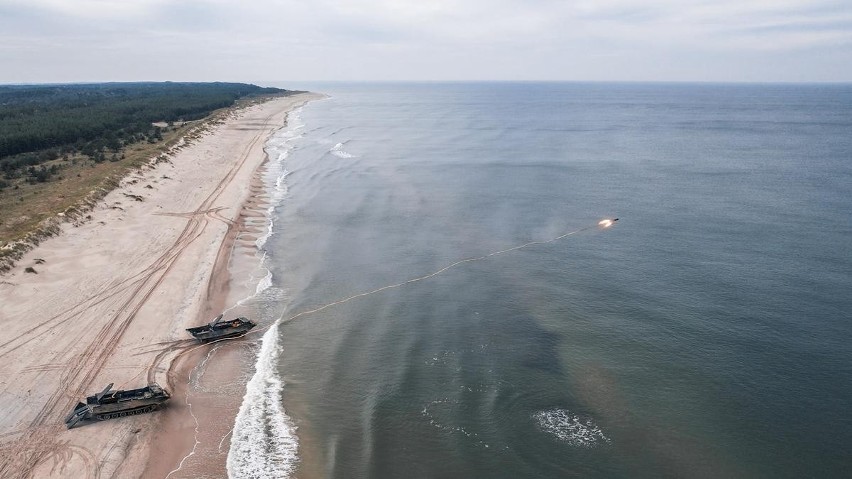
(30, 212)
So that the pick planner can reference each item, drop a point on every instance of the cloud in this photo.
(438, 39)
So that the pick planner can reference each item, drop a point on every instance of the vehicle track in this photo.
(38, 442)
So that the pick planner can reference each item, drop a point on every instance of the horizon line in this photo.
(262, 82)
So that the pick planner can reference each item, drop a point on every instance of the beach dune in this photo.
(109, 301)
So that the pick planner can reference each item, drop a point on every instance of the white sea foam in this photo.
(278, 149)
(264, 283)
(570, 428)
(337, 150)
(264, 443)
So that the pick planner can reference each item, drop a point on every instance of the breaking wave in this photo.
(338, 151)
(277, 149)
(264, 283)
(263, 442)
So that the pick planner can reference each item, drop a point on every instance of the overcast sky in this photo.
(304, 40)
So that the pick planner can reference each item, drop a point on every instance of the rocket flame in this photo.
(605, 223)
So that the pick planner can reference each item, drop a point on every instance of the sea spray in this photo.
(264, 443)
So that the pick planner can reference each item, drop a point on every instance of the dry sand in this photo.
(110, 304)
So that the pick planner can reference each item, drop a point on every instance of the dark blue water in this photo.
(706, 334)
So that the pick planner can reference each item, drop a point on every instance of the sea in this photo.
(442, 301)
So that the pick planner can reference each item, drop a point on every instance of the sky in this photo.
(55, 41)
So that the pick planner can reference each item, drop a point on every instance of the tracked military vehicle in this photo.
(109, 404)
(218, 329)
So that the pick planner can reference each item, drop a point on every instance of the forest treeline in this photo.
(40, 123)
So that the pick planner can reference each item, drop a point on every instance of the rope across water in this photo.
(601, 224)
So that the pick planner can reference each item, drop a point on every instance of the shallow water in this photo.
(706, 334)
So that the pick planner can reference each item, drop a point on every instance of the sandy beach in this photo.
(109, 303)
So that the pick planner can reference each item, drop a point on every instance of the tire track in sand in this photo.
(39, 441)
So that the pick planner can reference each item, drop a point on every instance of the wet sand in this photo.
(110, 302)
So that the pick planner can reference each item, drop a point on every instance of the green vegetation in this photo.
(39, 124)
(64, 146)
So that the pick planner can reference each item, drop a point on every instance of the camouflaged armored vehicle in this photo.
(109, 404)
(218, 329)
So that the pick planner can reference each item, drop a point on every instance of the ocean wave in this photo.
(337, 150)
(260, 286)
(278, 150)
(264, 443)
(570, 428)
(261, 241)
(264, 283)
(278, 193)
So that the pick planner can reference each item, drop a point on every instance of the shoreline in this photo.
(211, 379)
(111, 300)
